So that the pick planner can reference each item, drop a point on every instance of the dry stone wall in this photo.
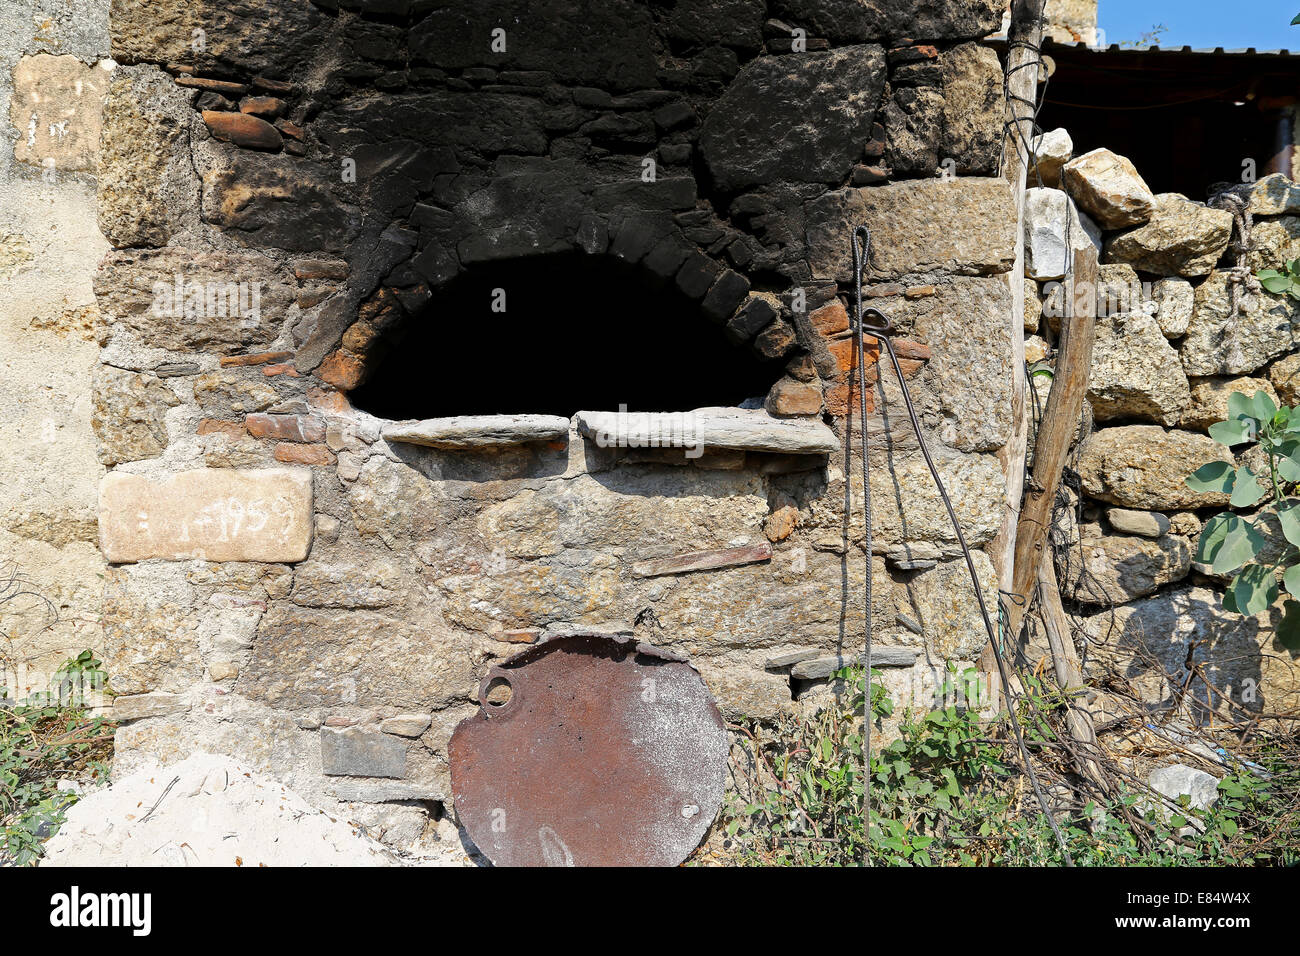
(1183, 323)
(285, 196)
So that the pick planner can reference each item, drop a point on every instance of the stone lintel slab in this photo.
(156, 704)
(478, 431)
(382, 791)
(209, 514)
(702, 561)
(823, 667)
(741, 429)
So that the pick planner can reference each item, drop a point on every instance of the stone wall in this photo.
(1183, 323)
(53, 73)
(285, 196)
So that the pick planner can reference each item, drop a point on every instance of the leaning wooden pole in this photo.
(1056, 431)
(1034, 570)
(1024, 36)
(1069, 676)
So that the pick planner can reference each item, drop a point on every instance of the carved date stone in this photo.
(211, 514)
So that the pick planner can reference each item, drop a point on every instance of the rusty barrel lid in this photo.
(590, 750)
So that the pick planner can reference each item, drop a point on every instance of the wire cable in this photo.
(881, 329)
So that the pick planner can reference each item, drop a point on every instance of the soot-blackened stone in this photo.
(848, 21)
(737, 23)
(725, 295)
(594, 44)
(437, 264)
(800, 118)
(674, 116)
(667, 257)
(755, 316)
(637, 235)
(697, 274)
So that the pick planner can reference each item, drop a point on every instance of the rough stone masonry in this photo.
(316, 592)
(287, 198)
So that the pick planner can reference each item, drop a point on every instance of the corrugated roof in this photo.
(1049, 43)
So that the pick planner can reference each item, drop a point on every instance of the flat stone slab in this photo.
(740, 429)
(823, 667)
(383, 791)
(209, 514)
(360, 753)
(793, 657)
(702, 561)
(478, 431)
(157, 704)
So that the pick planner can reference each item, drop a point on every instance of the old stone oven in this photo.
(339, 225)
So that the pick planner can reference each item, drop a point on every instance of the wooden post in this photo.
(1024, 36)
(1055, 432)
(1069, 675)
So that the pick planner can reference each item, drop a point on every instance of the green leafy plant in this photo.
(808, 809)
(1284, 281)
(47, 737)
(947, 792)
(1236, 543)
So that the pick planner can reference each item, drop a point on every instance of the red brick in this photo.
(840, 398)
(243, 130)
(283, 368)
(292, 130)
(299, 428)
(256, 358)
(267, 107)
(341, 369)
(830, 319)
(224, 87)
(216, 426)
(523, 635)
(277, 87)
(304, 454)
(846, 352)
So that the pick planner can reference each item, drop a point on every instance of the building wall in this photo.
(53, 70)
(281, 578)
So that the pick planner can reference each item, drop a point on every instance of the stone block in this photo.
(794, 119)
(140, 706)
(962, 225)
(353, 752)
(1143, 466)
(56, 106)
(212, 514)
(1107, 186)
(147, 188)
(1183, 238)
(193, 300)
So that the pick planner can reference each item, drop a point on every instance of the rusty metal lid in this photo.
(590, 750)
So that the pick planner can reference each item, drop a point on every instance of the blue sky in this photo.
(1204, 23)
